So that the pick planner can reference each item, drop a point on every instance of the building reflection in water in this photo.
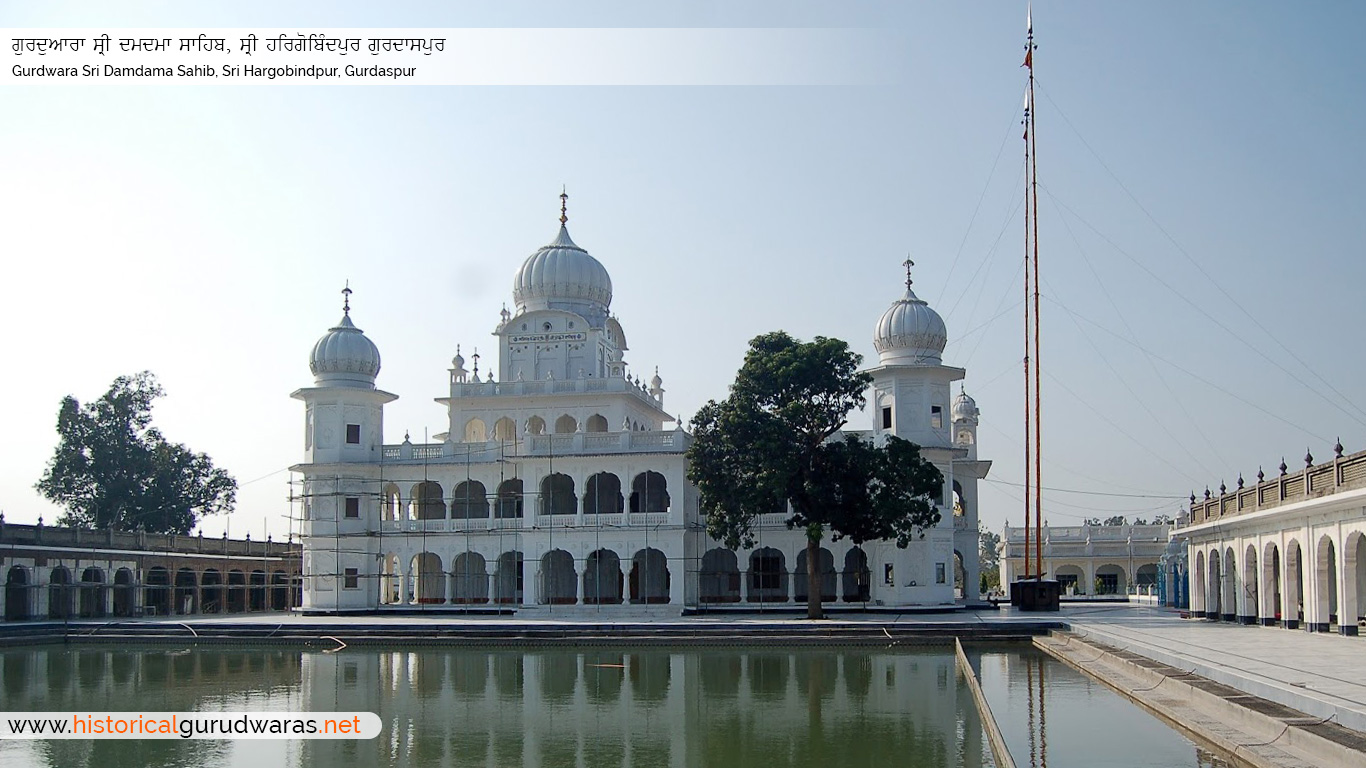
(507, 707)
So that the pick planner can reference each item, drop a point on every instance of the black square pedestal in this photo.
(1035, 594)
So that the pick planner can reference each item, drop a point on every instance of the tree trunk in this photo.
(813, 574)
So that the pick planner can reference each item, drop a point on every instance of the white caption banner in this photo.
(438, 56)
(189, 725)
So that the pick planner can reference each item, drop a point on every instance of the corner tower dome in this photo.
(909, 332)
(965, 408)
(344, 356)
(562, 275)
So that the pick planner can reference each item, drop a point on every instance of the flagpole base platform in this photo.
(1035, 594)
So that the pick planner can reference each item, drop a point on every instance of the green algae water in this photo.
(561, 707)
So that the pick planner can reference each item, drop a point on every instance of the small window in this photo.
(353, 434)
(351, 579)
(887, 417)
(936, 417)
(938, 573)
(887, 577)
(352, 506)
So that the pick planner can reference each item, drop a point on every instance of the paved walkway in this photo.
(1319, 674)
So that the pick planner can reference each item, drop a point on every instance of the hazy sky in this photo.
(1201, 229)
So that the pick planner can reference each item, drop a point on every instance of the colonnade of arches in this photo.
(556, 494)
(1100, 578)
(556, 578)
(157, 591)
(1320, 587)
(505, 428)
(766, 578)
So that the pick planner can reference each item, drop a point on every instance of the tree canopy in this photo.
(113, 469)
(774, 442)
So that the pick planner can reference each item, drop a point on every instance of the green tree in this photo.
(113, 469)
(990, 559)
(772, 443)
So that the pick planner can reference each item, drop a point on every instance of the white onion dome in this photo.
(655, 381)
(344, 357)
(910, 333)
(965, 408)
(562, 275)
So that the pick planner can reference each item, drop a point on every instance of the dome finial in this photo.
(908, 264)
(564, 206)
(346, 298)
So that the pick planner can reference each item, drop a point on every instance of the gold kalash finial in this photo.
(564, 206)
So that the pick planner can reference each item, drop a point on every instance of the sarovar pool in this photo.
(607, 706)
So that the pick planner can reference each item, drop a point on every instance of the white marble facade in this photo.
(562, 480)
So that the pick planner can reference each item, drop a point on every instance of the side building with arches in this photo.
(56, 573)
(560, 479)
(1288, 551)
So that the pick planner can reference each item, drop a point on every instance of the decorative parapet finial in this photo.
(1260, 474)
(1240, 481)
(1283, 466)
(1223, 489)
(1308, 457)
(1337, 448)
(346, 299)
(564, 207)
(908, 264)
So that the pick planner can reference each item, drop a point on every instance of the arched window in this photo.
(566, 425)
(649, 493)
(509, 499)
(505, 429)
(603, 495)
(427, 501)
(597, 423)
(557, 495)
(475, 431)
(535, 426)
(469, 501)
(719, 581)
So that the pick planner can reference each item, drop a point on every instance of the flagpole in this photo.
(1038, 360)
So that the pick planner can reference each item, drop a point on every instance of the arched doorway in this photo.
(59, 593)
(92, 593)
(857, 576)
(559, 581)
(1271, 585)
(428, 503)
(470, 579)
(427, 580)
(279, 591)
(469, 501)
(1354, 583)
(186, 589)
(719, 581)
(1215, 607)
(1251, 606)
(1111, 580)
(123, 592)
(1294, 586)
(825, 570)
(508, 580)
(1071, 580)
(649, 577)
(18, 605)
(1145, 578)
(1228, 601)
(390, 580)
(156, 592)
(237, 592)
(767, 576)
(257, 594)
(211, 591)
(602, 577)
(1325, 585)
(1200, 595)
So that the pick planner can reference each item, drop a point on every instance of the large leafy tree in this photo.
(113, 469)
(772, 445)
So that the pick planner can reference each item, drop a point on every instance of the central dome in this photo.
(562, 275)
(910, 333)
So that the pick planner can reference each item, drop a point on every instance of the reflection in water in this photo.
(596, 707)
(1053, 716)
(507, 707)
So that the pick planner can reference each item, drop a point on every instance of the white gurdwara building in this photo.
(562, 480)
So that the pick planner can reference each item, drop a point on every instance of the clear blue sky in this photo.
(1201, 224)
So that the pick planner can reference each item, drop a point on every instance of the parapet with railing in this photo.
(1342, 473)
(576, 443)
